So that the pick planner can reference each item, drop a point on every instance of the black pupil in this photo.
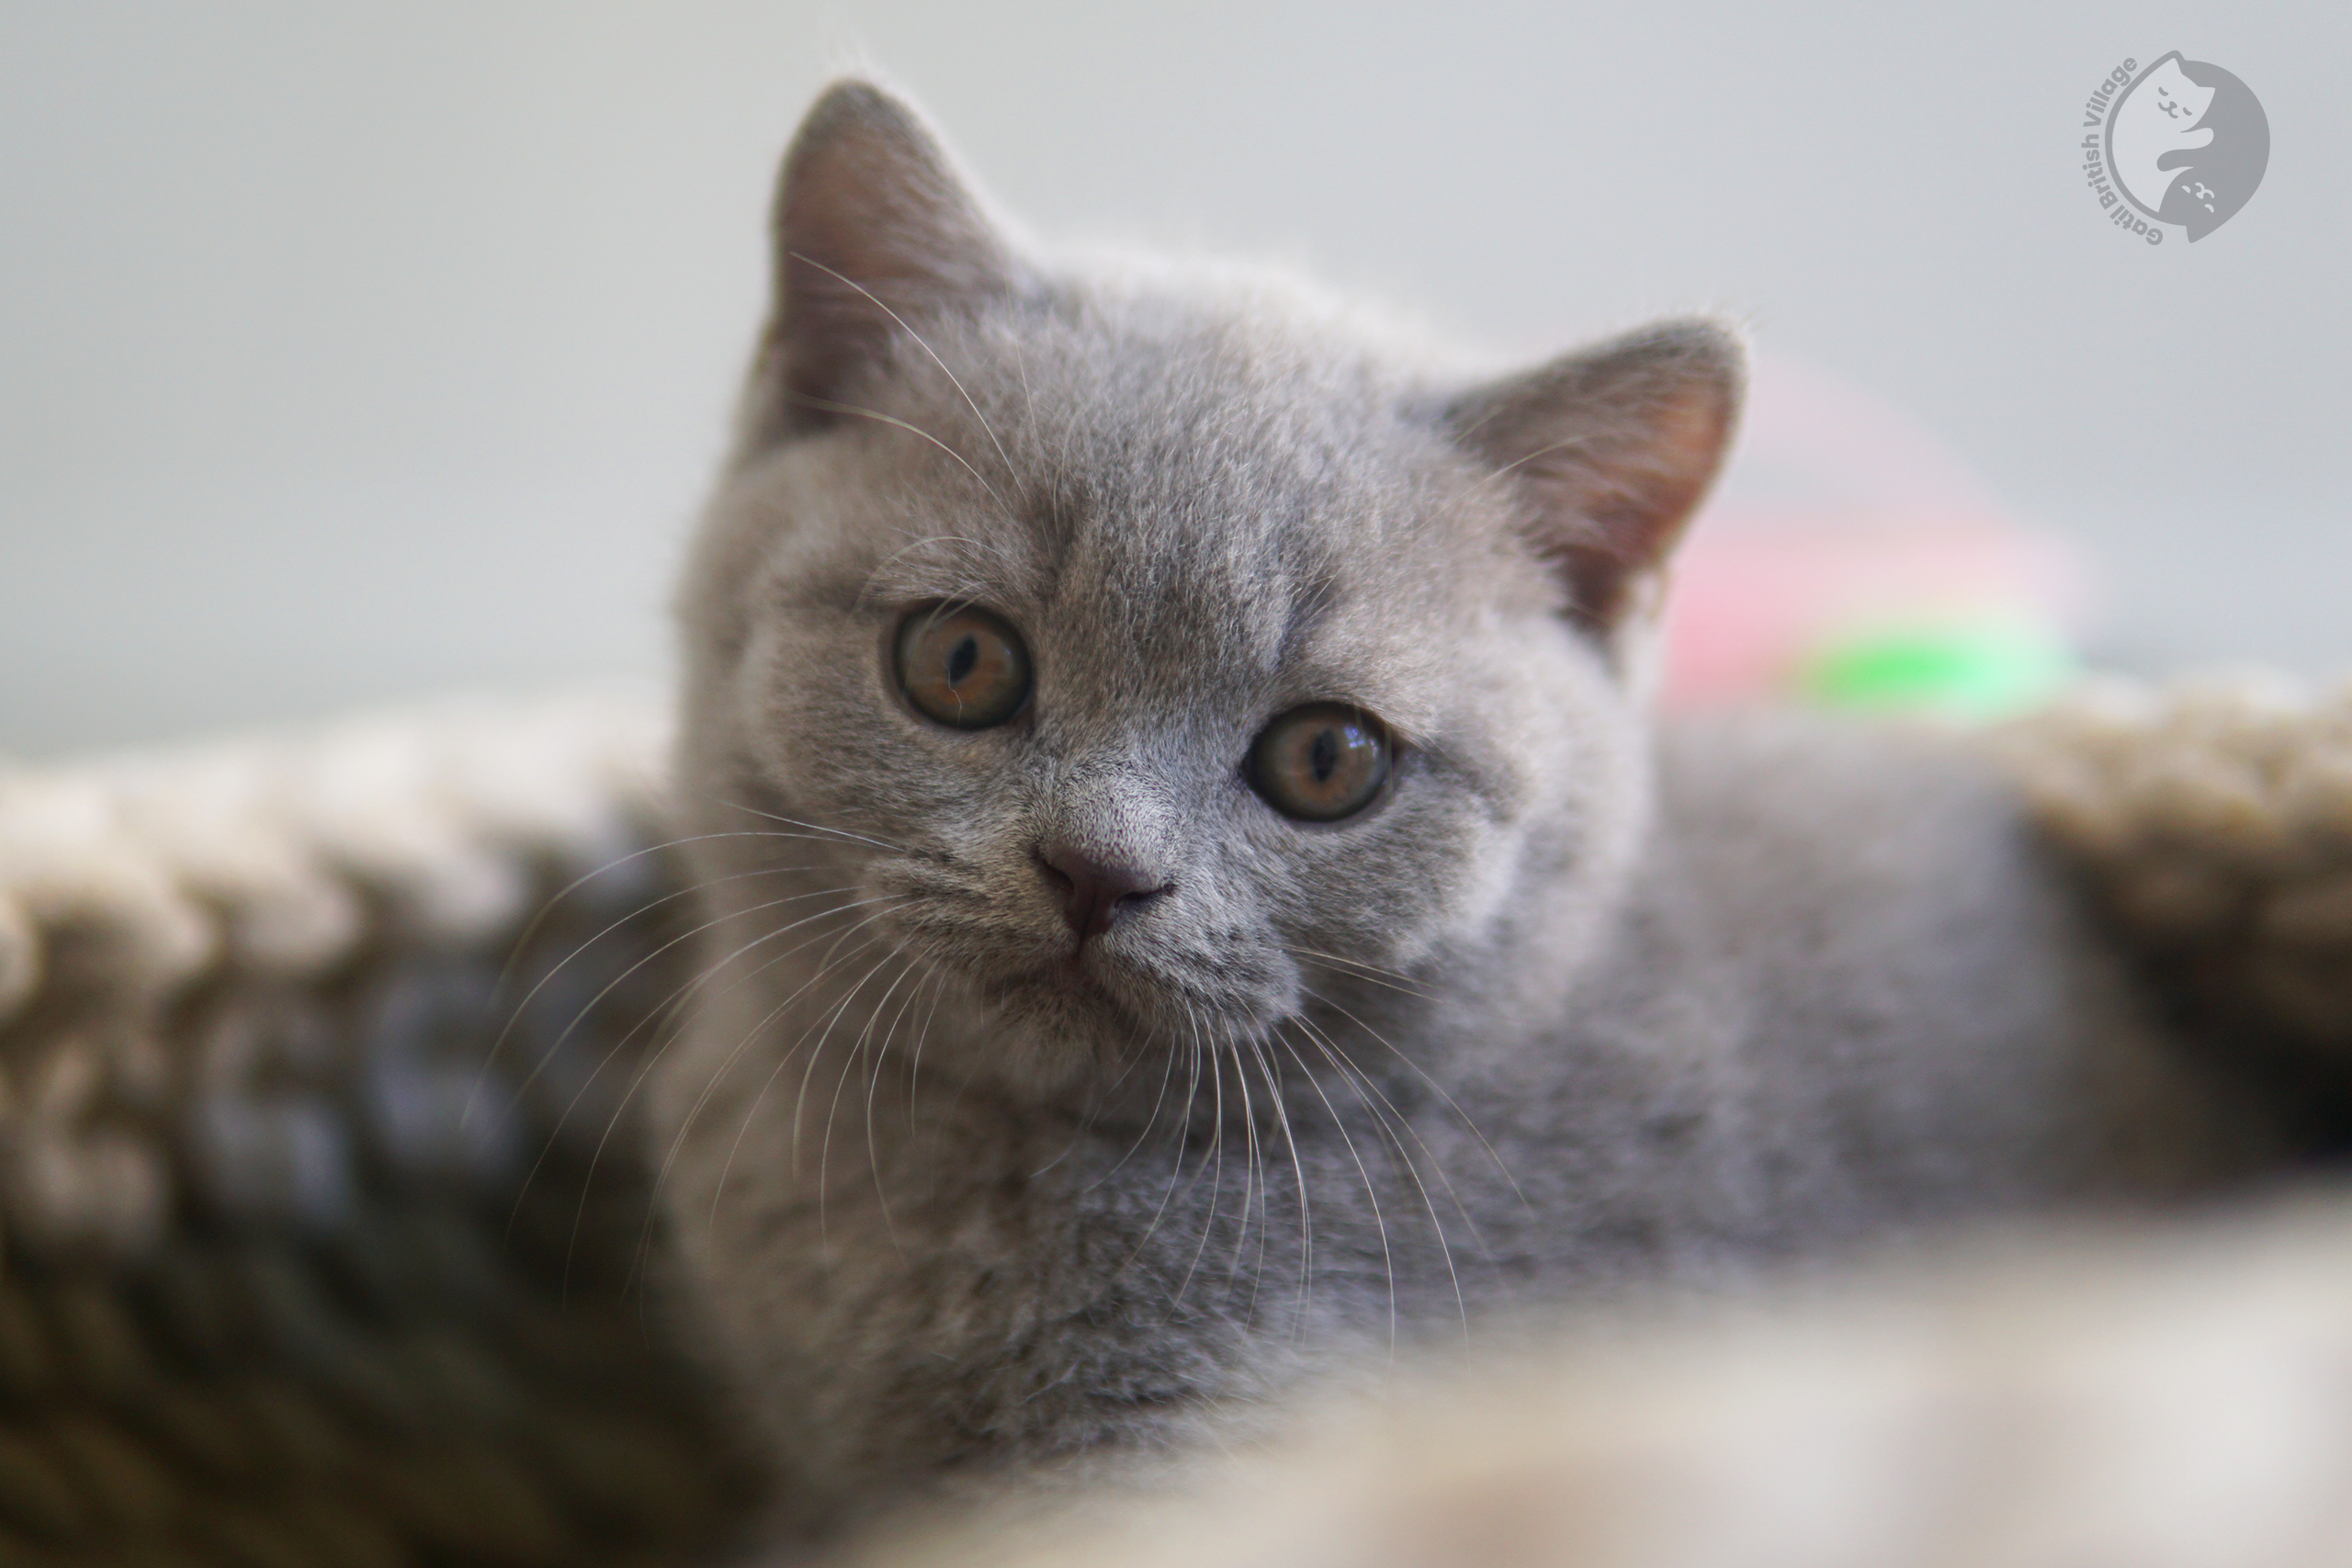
(960, 661)
(1324, 754)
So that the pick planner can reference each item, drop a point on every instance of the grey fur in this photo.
(1566, 1013)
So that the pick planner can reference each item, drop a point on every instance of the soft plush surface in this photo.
(2179, 1398)
(325, 1219)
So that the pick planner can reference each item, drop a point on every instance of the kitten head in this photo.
(1152, 653)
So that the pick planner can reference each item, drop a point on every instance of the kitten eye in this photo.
(1320, 762)
(962, 666)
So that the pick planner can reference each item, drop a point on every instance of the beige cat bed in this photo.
(324, 1214)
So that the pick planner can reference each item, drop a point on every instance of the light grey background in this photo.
(361, 350)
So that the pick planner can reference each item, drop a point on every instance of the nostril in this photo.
(1095, 894)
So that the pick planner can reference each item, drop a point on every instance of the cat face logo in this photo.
(2186, 143)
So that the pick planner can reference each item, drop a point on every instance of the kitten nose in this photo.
(1096, 894)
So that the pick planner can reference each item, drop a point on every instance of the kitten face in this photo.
(1198, 504)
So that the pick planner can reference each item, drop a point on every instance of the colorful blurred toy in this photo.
(1851, 559)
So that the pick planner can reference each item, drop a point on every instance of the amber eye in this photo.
(962, 666)
(1320, 762)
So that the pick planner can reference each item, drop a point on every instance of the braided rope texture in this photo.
(323, 1246)
(2212, 823)
(324, 1221)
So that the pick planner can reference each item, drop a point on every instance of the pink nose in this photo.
(1096, 895)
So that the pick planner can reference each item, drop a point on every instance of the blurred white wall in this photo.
(359, 350)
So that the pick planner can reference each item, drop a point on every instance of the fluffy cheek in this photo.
(832, 742)
(1539, 782)
(1486, 867)
(1381, 892)
(797, 682)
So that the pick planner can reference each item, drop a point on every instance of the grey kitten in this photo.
(1195, 900)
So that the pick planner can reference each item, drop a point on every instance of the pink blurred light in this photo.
(1840, 514)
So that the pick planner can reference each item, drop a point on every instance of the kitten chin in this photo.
(1191, 899)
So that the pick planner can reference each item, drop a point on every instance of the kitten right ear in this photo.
(1612, 450)
(873, 227)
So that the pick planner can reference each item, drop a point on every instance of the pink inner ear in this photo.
(1615, 447)
(1638, 503)
(872, 224)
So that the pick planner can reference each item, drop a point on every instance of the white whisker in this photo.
(711, 1087)
(1298, 1170)
(835, 834)
(1366, 1091)
(1183, 1139)
(590, 1006)
(830, 406)
(1009, 471)
(1217, 1185)
(514, 1014)
(1436, 1088)
(1388, 1257)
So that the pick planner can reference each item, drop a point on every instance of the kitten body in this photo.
(1565, 1010)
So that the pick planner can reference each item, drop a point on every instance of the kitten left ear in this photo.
(874, 229)
(1612, 448)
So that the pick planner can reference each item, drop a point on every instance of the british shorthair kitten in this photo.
(1196, 899)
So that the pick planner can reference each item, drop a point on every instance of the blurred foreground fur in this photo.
(2174, 1398)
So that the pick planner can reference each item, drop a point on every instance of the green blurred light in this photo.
(1982, 670)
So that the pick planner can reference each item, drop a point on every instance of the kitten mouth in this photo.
(1074, 979)
(1070, 973)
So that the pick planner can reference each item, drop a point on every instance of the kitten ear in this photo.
(873, 227)
(1614, 448)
